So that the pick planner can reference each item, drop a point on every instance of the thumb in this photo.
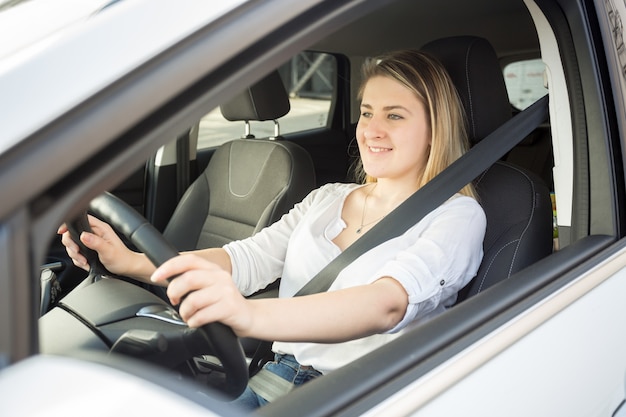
(91, 240)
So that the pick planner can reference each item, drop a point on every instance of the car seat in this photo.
(248, 183)
(516, 201)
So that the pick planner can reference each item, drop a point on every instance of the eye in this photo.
(394, 116)
(366, 114)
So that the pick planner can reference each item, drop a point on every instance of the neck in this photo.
(393, 193)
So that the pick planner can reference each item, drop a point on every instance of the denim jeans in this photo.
(285, 366)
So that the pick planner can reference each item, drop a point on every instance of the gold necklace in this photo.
(358, 231)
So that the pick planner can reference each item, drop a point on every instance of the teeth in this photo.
(376, 150)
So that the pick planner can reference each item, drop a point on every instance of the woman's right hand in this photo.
(112, 252)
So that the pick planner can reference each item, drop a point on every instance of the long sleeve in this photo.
(259, 260)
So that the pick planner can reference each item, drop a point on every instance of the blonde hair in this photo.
(430, 82)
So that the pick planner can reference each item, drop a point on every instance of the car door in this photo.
(550, 340)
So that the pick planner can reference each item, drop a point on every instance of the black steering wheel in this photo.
(124, 219)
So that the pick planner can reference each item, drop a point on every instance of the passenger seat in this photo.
(248, 183)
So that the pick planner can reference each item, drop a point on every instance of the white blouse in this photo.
(433, 260)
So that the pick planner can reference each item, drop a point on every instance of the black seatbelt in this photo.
(460, 173)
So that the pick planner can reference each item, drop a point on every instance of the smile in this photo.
(377, 150)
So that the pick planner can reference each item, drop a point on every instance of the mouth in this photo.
(374, 149)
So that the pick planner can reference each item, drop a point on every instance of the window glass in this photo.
(524, 82)
(309, 80)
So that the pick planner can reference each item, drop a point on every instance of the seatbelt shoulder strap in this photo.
(460, 173)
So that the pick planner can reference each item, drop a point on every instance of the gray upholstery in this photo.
(473, 66)
(265, 100)
(535, 154)
(248, 183)
(516, 202)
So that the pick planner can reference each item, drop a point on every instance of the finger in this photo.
(187, 283)
(207, 306)
(62, 229)
(91, 240)
(77, 258)
(205, 315)
(81, 263)
(179, 265)
(100, 244)
(68, 242)
(196, 301)
(97, 224)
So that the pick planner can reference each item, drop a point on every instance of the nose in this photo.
(372, 128)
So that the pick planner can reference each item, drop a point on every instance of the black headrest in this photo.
(265, 100)
(474, 68)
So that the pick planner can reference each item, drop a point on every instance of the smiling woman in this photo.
(114, 100)
(440, 125)
(382, 132)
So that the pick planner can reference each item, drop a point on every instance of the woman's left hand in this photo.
(206, 293)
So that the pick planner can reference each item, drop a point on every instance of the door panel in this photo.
(566, 353)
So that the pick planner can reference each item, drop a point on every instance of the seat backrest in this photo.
(516, 202)
(535, 154)
(248, 183)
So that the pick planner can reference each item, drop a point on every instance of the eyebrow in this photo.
(388, 108)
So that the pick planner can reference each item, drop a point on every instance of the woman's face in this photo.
(393, 131)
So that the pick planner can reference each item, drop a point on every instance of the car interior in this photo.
(201, 196)
(249, 182)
